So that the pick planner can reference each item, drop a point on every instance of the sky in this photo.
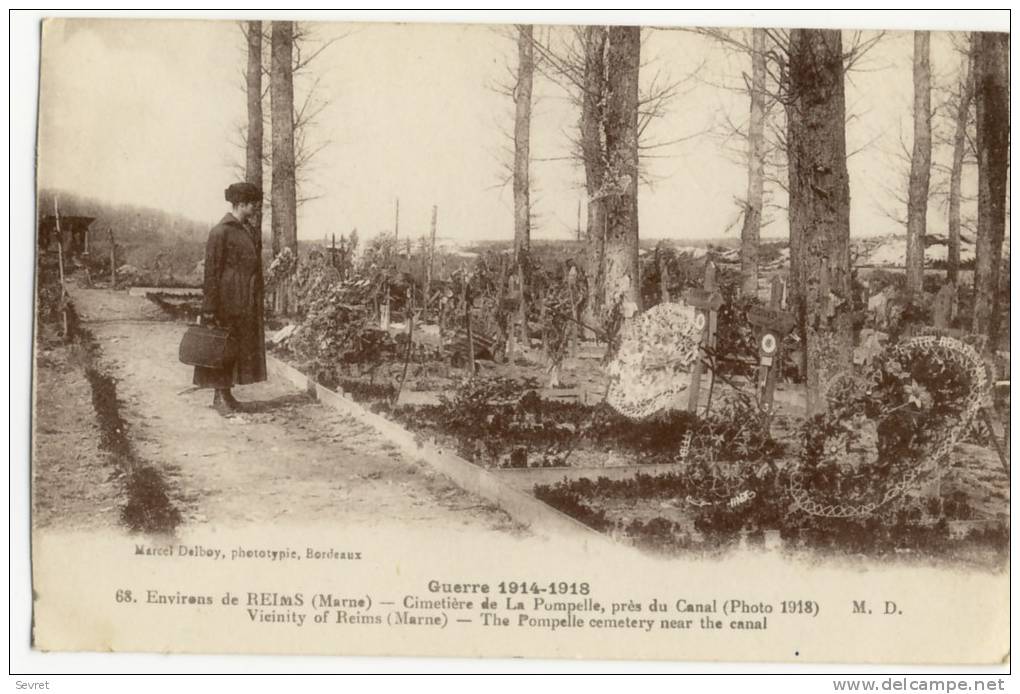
(147, 112)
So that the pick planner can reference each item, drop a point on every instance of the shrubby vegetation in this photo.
(164, 248)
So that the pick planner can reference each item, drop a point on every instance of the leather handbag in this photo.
(208, 346)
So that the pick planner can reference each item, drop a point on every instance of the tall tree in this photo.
(776, 90)
(991, 95)
(623, 60)
(581, 65)
(281, 82)
(253, 90)
(593, 41)
(522, 164)
(964, 98)
(750, 233)
(310, 102)
(920, 164)
(819, 205)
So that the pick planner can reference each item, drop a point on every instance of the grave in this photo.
(707, 302)
(771, 325)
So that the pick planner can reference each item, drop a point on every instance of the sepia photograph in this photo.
(547, 340)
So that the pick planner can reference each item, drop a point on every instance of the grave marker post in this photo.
(771, 326)
(113, 260)
(467, 325)
(707, 301)
(384, 306)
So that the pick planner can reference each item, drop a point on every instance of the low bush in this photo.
(499, 414)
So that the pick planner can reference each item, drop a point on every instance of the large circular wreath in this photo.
(889, 430)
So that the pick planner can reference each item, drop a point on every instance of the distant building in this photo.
(73, 229)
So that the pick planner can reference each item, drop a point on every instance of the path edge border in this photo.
(541, 518)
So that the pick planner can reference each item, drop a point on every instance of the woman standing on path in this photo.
(233, 292)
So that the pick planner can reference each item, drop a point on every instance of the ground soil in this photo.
(286, 458)
(74, 483)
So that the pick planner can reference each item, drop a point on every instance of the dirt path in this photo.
(290, 459)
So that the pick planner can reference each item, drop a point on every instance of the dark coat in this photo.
(233, 292)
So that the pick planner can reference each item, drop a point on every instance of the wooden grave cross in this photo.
(707, 301)
(384, 306)
(113, 260)
(468, 302)
(771, 326)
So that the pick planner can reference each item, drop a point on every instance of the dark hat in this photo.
(238, 193)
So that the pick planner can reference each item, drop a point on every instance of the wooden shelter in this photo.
(74, 230)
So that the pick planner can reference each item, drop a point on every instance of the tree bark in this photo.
(578, 220)
(253, 85)
(920, 165)
(522, 162)
(956, 172)
(751, 231)
(819, 205)
(592, 138)
(622, 282)
(991, 95)
(284, 192)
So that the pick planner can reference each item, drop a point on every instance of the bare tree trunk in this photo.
(820, 205)
(622, 280)
(431, 257)
(522, 162)
(991, 95)
(396, 220)
(751, 231)
(956, 172)
(578, 220)
(795, 282)
(920, 165)
(253, 84)
(282, 93)
(592, 153)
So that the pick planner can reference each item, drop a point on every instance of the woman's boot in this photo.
(221, 402)
(229, 398)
